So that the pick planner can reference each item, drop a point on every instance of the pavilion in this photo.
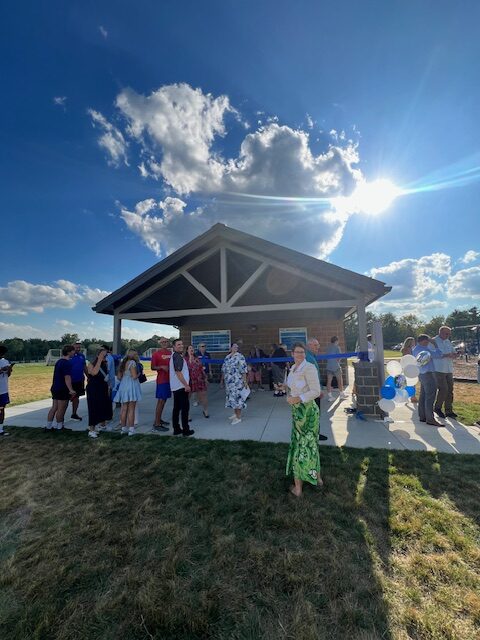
(229, 285)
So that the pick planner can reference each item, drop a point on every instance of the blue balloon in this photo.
(410, 391)
(390, 381)
(387, 392)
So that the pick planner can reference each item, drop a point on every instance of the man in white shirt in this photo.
(5, 372)
(180, 386)
(444, 374)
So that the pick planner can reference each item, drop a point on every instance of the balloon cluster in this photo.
(399, 387)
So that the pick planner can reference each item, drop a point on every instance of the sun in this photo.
(373, 197)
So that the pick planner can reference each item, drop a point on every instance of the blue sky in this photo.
(127, 129)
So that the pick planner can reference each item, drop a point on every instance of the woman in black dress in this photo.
(98, 396)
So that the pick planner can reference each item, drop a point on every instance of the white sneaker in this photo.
(236, 420)
(195, 404)
(330, 398)
(101, 428)
(232, 417)
(92, 434)
(131, 431)
(124, 430)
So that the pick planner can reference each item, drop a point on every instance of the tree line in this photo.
(395, 330)
(20, 350)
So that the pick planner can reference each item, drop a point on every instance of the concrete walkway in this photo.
(267, 419)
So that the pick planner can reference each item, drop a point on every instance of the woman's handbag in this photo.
(141, 376)
(244, 393)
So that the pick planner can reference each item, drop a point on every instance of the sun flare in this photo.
(373, 197)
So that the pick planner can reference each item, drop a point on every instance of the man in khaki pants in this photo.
(444, 374)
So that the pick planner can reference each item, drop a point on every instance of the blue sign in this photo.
(290, 336)
(216, 341)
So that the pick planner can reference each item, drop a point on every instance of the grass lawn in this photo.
(141, 538)
(30, 382)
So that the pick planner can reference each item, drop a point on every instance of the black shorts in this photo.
(79, 388)
(60, 394)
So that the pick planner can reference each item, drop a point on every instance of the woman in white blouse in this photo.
(303, 460)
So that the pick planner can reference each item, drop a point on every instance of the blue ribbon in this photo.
(362, 355)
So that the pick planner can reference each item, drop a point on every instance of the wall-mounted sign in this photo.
(290, 336)
(216, 341)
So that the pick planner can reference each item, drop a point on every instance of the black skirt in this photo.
(98, 400)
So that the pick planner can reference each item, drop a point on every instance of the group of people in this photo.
(108, 385)
(436, 375)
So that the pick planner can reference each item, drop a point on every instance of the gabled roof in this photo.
(367, 287)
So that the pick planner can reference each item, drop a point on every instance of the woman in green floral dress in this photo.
(303, 460)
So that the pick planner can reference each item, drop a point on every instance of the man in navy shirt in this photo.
(79, 369)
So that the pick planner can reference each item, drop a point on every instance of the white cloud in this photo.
(103, 31)
(464, 284)
(470, 256)
(161, 224)
(111, 140)
(64, 323)
(415, 279)
(11, 330)
(180, 124)
(424, 284)
(60, 101)
(20, 297)
(179, 129)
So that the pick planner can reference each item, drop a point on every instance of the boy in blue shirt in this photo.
(428, 383)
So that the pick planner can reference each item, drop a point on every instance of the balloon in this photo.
(411, 382)
(424, 358)
(390, 381)
(400, 381)
(410, 391)
(401, 396)
(408, 359)
(411, 371)
(394, 368)
(386, 405)
(387, 392)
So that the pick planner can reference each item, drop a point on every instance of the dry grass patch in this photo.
(30, 382)
(183, 540)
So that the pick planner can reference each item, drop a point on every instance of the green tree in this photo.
(433, 325)
(69, 338)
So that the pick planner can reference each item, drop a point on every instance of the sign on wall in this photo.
(216, 341)
(290, 336)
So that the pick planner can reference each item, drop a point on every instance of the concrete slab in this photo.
(267, 419)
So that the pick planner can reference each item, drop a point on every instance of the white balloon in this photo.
(386, 405)
(411, 371)
(401, 396)
(406, 360)
(394, 368)
(411, 382)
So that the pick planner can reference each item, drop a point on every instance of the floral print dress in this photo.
(198, 377)
(233, 368)
(303, 460)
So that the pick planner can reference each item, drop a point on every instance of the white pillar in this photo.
(362, 325)
(377, 335)
(117, 334)
(223, 275)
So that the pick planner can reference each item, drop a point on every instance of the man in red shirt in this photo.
(160, 363)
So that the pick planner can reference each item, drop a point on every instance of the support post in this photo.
(377, 335)
(223, 275)
(117, 334)
(362, 325)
